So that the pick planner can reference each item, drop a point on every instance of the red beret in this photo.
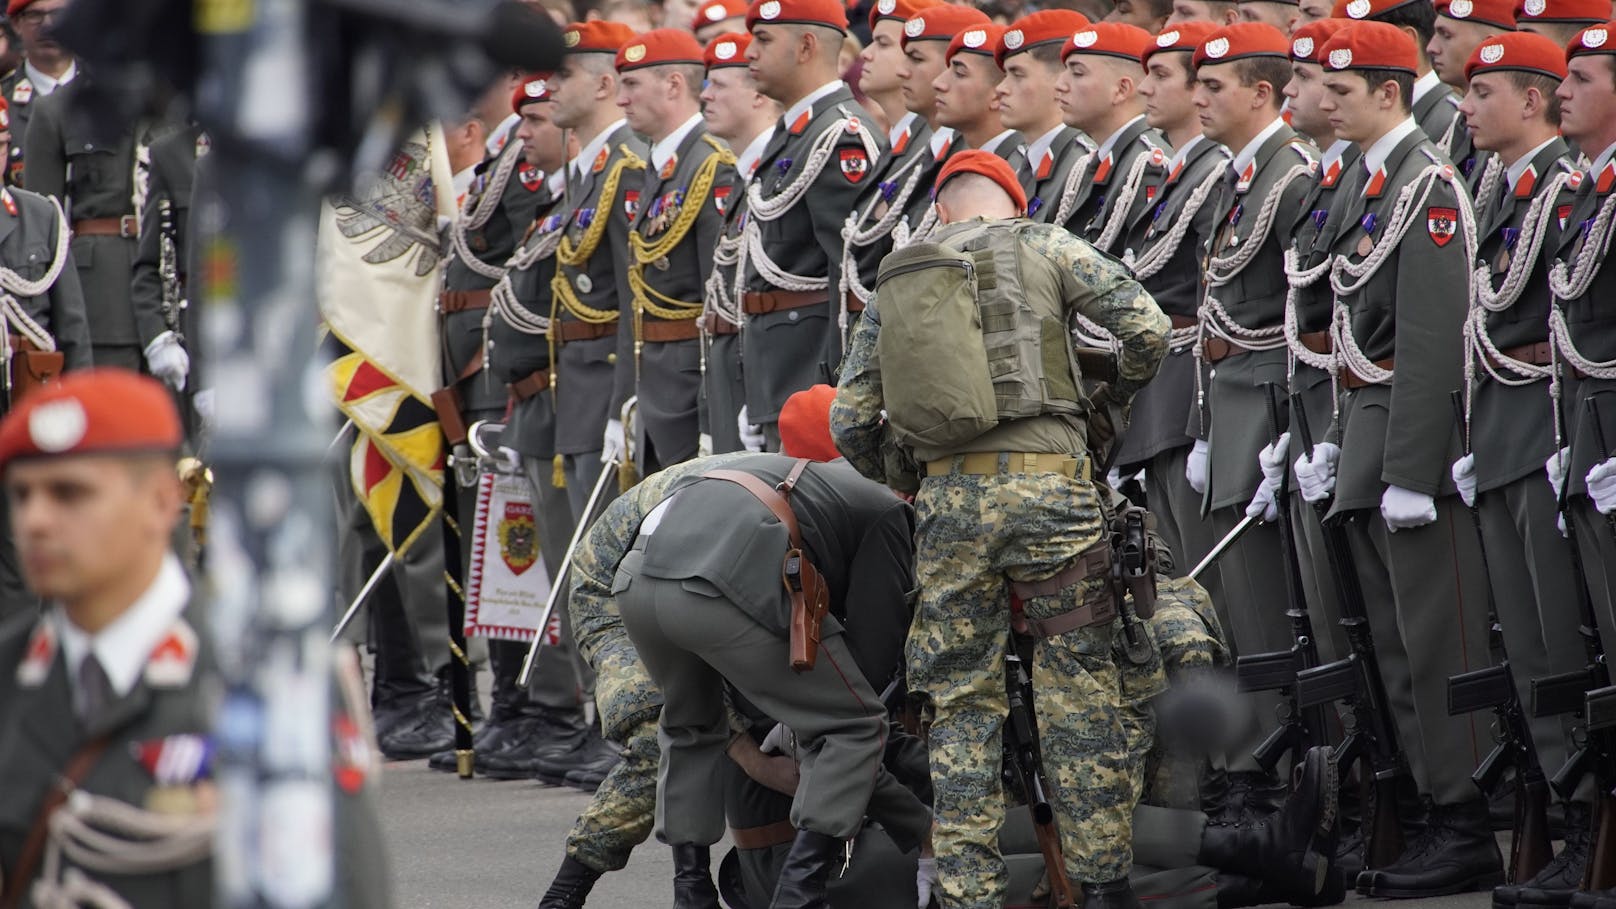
(1522, 52)
(977, 39)
(1595, 39)
(828, 13)
(1240, 41)
(1370, 45)
(986, 164)
(901, 10)
(805, 425)
(1107, 39)
(660, 47)
(728, 49)
(1587, 12)
(1367, 9)
(717, 11)
(16, 6)
(1309, 38)
(1180, 36)
(596, 36)
(942, 22)
(93, 411)
(533, 88)
(1048, 26)
(1496, 13)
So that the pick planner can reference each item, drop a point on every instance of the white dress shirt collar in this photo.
(124, 646)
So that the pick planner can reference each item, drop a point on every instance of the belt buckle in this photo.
(128, 227)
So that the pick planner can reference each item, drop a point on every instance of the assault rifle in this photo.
(1021, 741)
(1493, 688)
(1371, 732)
(1299, 728)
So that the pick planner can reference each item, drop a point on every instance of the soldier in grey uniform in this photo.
(1459, 28)
(1401, 292)
(1435, 106)
(590, 288)
(96, 185)
(965, 92)
(821, 156)
(1029, 53)
(1242, 70)
(737, 113)
(1164, 251)
(50, 315)
(1511, 422)
(108, 695)
(1096, 93)
(672, 241)
(45, 67)
(159, 280)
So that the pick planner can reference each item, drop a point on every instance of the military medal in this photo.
(1366, 245)
(1034, 205)
(784, 164)
(889, 189)
(1319, 217)
(177, 800)
(662, 264)
(586, 217)
(584, 284)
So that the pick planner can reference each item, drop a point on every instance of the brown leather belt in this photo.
(718, 325)
(1352, 380)
(766, 837)
(1183, 321)
(574, 330)
(766, 301)
(1539, 354)
(1216, 349)
(453, 301)
(854, 304)
(1317, 341)
(127, 227)
(663, 332)
(530, 385)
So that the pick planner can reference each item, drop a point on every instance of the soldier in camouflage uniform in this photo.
(970, 545)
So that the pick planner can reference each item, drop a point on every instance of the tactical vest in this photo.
(973, 332)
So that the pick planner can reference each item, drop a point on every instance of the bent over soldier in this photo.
(1011, 505)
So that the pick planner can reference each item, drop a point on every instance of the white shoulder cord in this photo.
(113, 837)
(854, 238)
(1122, 203)
(474, 218)
(1154, 259)
(1074, 176)
(1573, 284)
(15, 288)
(502, 299)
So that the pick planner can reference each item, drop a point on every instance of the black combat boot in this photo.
(1455, 853)
(1291, 851)
(572, 883)
(692, 881)
(1562, 877)
(1250, 796)
(1594, 899)
(806, 871)
(1116, 894)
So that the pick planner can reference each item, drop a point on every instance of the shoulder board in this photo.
(630, 159)
(724, 152)
(1564, 165)
(1452, 100)
(1303, 151)
(1148, 142)
(1431, 153)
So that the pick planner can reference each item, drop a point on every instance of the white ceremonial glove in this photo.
(1315, 474)
(1555, 467)
(167, 360)
(1402, 509)
(1272, 458)
(511, 457)
(1195, 467)
(612, 442)
(1464, 477)
(1602, 485)
(925, 880)
(778, 741)
(1113, 478)
(202, 401)
(751, 436)
(1263, 505)
(704, 445)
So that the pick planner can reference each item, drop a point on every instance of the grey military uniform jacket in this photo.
(19, 93)
(584, 392)
(28, 245)
(899, 198)
(1170, 243)
(858, 534)
(1410, 308)
(173, 166)
(515, 355)
(667, 375)
(505, 196)
(1436, 112)
(788, 350)
(1512, 426)
(722, 391)
(1254, 298)
(1587, 315)
(92, 180)
(1113, 190)
(1046, 177)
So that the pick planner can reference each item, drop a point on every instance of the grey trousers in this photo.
(1598, 545)
(561, 677)
(691, 640)
(1252, 610)
(583, 472)
(1426, 596)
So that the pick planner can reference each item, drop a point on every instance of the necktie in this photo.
(94, 689)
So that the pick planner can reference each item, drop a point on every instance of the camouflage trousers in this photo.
(620, 815)
(974, 533)
(1190, 639)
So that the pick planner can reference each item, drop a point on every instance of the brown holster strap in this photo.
(573, 330)
(1216, 349)
(1095, 560)
(127, 227)
(768, 836)
(992, 463)
(854, 304)
(767, 301)
(1182, 321)
(1317, 341)
(718, 325)
(1539, 354)
(1352, 380)
(533, 383)
(453, 301)
(17, 877)
(775, 499)
(663, 332)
